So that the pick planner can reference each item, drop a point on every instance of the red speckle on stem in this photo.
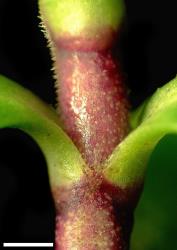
(94, 215)
(92, 102)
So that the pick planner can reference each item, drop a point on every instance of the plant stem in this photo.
(93, 215)
(92, 102)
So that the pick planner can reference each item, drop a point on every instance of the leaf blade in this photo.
(156, 211)
(127, 164)
(21, 109)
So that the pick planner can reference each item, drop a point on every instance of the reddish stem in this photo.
(93, 104)
(92, 215)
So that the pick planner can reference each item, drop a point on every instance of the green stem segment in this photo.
(82, 24)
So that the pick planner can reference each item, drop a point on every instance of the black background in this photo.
(148, 52)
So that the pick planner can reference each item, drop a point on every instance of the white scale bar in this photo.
(27, 244)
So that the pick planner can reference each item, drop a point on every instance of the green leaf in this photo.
(156, 118)
(19, 108)
(155, 216)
